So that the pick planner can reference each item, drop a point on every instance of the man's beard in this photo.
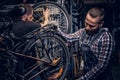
(92, 32)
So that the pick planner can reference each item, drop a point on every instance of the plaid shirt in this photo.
(102, 51)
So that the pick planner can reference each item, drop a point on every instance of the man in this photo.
(25, 24)
(96, 46)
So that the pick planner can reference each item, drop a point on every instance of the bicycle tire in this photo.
(56, 12)
(38, 42)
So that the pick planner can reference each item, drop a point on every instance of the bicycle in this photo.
(40, 54)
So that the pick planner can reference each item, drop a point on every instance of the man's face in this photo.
(30, 17)
(91, 24)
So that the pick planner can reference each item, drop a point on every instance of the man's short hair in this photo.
(97, 12)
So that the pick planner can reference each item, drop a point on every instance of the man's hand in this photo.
(46, 14)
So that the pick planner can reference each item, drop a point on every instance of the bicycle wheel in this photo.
(51, 57)
(57, 14)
